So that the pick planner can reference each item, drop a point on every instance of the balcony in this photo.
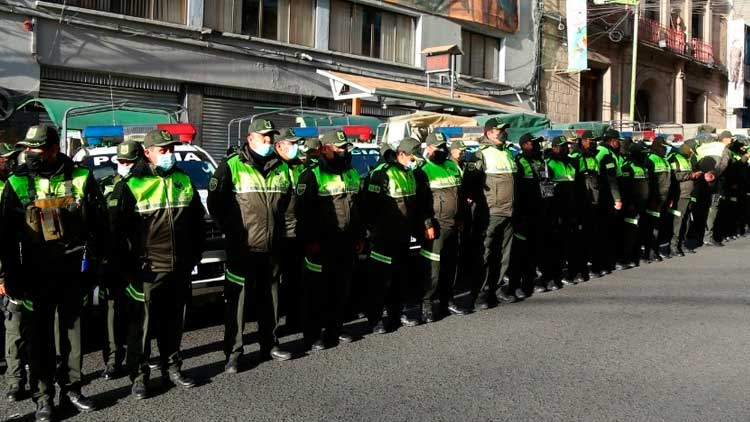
(702, 51)
(674, 40)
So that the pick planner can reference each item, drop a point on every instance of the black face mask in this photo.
(341, 160)
(34, 161)
(439, 156)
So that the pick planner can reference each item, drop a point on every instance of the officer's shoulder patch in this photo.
(610, 165)
(373, 188)
(213, 184)
(301, 188)
(112, 203)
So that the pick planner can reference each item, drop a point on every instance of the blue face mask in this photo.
(293, 151)
(166, 161)
(411, 165)
(264, 150)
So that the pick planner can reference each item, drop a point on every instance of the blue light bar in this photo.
(306, 132)
(450, 132)
(98, 135)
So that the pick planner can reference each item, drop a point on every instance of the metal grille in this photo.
(104, 79)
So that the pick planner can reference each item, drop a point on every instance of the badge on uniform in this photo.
(165, 135)
(341, 136)
(213, 184)
(301, 188)
(179, 186)
(374, 188)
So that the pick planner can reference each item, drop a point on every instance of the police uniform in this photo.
(714, 157)
(62, 229)
(248, 197)
(610, 170)
(679, 196)
(490, 183)
(112, 285)
(157, 211)
(635, 193)
(660, 179)
(330, 227)
(442, 205)
(728, 215)
(467, 243)
(589, 195)
(392, 213)
(17, 319)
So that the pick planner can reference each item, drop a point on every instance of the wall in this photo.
(19, 70)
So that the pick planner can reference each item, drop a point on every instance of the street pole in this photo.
(635, 62)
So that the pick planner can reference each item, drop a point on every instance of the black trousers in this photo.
(440, 258)
(290, 288)
(389, 280)
(116, 325)
(495, 252)
(526, 252)
(17, 331)
(260, 275)
(327, 280)
(58, 302)
(156, 300)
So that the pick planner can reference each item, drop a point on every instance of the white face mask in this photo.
(124, 171)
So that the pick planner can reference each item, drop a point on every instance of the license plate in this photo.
(195, 271)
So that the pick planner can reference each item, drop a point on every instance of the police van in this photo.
(98, 153)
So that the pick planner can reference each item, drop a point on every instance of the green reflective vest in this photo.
(2, 187)
(332, 184)
(447, 175)
(638, 172)
(710, 149)
(561, 171)
(602, 151)
(154, 193)
(660, 164)
(498, 161)
(247, 179)
(294, 173)
(401, 183)
(528, 169)
(54, 187)
(680, 163)
(588, 164)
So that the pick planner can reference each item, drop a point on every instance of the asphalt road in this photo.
(664, 342)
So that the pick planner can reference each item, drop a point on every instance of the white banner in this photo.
(578, 51)
(736, 63)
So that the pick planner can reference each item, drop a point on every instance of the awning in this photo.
(520, 123)
(346, 86)
(121, 113)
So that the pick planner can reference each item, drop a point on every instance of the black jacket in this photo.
(529, 201)
(390, 219)
(162, 240)
(441, 207)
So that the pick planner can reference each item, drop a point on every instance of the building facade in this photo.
(223, 59)
(681, 64)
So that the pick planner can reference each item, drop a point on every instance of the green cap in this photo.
(457, 144)
(7, 150)
(312, 143)
(40, 136)
(436, 139)
(262, 126)
(289, 135)
(559, 140)
(128, 151)
(610, 134)
(334, 137)
(725, 134)
(495, 124)
(409, 146)
(527, 137)
(159, 138)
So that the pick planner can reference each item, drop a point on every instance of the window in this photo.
(174, 11)
(290, 21)
(481, 55)
(371, 32)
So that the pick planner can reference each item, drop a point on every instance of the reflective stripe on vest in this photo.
(498, 162)
(311, 266)
(680, 163)
(443, 176)
(331, 184)
(49, 188)
(660, 164)
(638, 172)
(381, 258)
(154, 193)
(234, 278)
(429, 255)
(247, 179)
(401, 183)
(562, 171)
(710, 149)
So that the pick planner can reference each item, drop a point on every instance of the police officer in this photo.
(660, 178)
(683, 176)
(490, 183)
(589, 194)
(610, 201)
(112, 288)
(248, 197)
(332, 232)
(528, 218)
(392, 213)
(713, 159)
(467, 244)
(157, 210)
(287, 146)
(562, 211)
(60, 229)
(635, 194)
(731, 190)
(442, 204)
(17, 318)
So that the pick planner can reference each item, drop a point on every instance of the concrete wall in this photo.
(521, 48)
(19, 70)
(438, 31)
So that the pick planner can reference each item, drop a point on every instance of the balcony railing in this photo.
(702, 51)
(675, 40)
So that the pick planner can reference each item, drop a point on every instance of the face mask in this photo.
(34, 160)
(292, 152)
(440, 156)
(264, 150)
(411, 165)
(166, 161)
(124, 171)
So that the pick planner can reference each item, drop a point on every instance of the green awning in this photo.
(313, 120)
(56, 109)
(520, 123)
(598, 128)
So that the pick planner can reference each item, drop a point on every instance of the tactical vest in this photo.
(498, 161)
(401, 183)
(153, 193)
(528, 168)
(603, 151)
(660, 164)
(588, 165)
(247, 179)
(2, 187)
(444, 176)
(332, 184)
(681, 163)
(561, 171)
(638, 172)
